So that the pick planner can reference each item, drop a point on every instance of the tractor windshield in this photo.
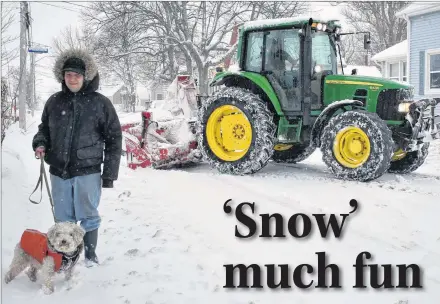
(323, 53)
(282, 51)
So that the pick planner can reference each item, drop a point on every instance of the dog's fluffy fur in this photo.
(65, 237)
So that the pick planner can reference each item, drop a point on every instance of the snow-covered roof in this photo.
(397, 51)
(268, 22)
(416, 9)
(142, 92)
(109, 91)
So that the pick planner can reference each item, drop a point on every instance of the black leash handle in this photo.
(40, 181)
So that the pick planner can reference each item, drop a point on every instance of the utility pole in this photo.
(32, 84)
(32, 96)
(23, 53)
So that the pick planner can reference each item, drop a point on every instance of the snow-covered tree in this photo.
(199, 30)
(277, 9)
(380, 19)
(158, 40)
(8, 53)
(126, 45)
(71, 37)
(9, 92)
(352, 49)
(7, 114)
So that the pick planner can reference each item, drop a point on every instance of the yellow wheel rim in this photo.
(398, 155)
(351, 147)
(228, 133)
(282, 147)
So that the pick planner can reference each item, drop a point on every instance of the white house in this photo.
(423, 49)
(416, 60)
(393, 61)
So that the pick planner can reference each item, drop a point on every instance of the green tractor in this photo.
(286, 99)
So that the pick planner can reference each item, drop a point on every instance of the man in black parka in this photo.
(80, 139)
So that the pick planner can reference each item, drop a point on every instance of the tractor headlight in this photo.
(404, 107)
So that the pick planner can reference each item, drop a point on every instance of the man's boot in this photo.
(90, 242)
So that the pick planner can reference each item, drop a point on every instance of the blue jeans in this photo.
(77, 200)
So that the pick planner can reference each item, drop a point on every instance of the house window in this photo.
(398, 71)
(394, 71)
(159, 96)
(434, 71)
(403, 69)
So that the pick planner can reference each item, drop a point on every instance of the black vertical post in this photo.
(307, 73)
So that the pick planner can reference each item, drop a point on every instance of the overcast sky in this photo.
(49, 18)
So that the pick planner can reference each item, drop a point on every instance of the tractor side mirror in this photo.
(367, 42)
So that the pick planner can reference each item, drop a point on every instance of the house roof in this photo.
(418, 8)
(397, 51)
(109, 91)
(142, 91)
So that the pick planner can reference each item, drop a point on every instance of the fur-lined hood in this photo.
(91, 67)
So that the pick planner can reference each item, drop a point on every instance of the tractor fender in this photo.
(325, 117)
(258, 84)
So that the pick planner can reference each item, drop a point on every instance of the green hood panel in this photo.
(367, 81)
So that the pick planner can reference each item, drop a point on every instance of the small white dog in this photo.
(55, 252)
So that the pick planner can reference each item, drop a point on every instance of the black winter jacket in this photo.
(80, 132)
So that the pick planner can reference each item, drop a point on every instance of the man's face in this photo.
(74, 81)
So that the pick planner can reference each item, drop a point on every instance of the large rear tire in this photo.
(235, 131)
(410, 162)
(357, 145)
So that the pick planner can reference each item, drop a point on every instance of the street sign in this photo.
(38, 50)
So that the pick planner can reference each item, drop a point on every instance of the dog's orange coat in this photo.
(34, 243)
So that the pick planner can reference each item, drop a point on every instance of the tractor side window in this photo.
(254, 52)
(282, 62)
(282, 50)
(291, 44)
(323, 54)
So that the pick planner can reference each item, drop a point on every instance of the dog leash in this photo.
(40, 181)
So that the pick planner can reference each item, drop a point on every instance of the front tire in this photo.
(235, 131)
(410, 162)
(357, 145)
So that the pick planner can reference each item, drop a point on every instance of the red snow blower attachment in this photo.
(165, 137)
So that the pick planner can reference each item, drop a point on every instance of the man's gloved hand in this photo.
(40, 152)
(107, 183)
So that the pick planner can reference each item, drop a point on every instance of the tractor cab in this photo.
(294, 57)
(290, 58)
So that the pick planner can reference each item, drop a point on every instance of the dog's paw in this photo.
(47, 289)
(32, 275)
(8, 278)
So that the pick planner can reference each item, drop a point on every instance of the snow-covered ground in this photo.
(165, 236)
